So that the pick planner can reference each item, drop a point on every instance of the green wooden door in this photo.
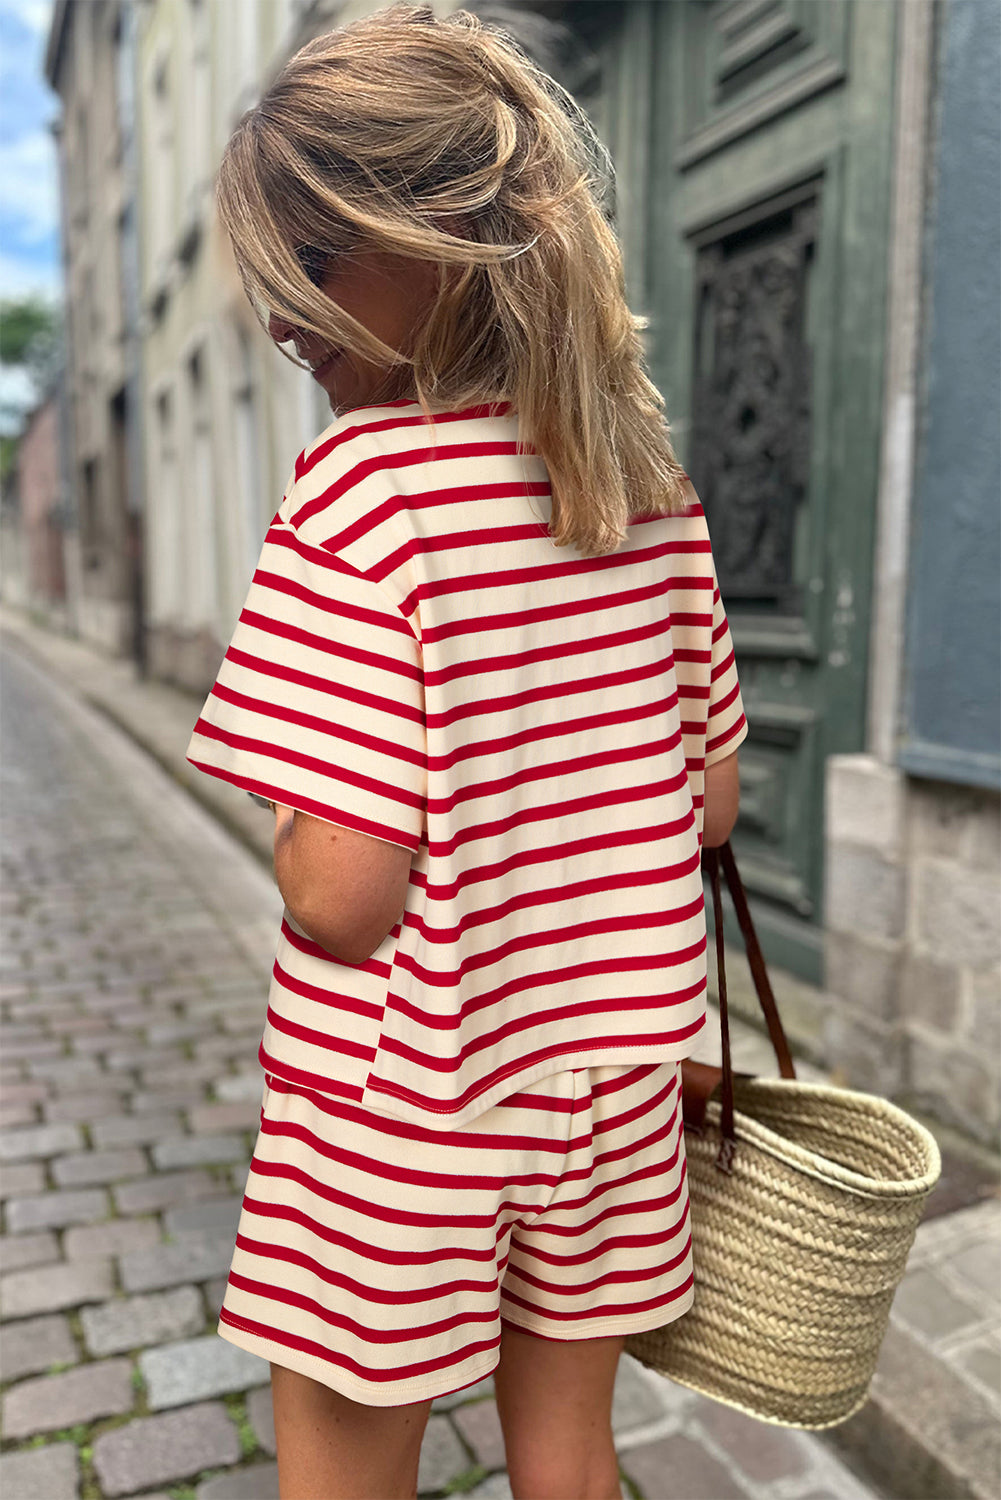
(752, 140)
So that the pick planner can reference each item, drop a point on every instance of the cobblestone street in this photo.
(137, 943)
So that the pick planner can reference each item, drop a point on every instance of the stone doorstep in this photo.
(923, 1430)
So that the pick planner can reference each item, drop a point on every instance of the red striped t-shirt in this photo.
(417, 660)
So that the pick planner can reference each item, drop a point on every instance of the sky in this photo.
(29, 203)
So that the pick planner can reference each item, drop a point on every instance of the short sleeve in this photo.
(726, 725)
(319, 702)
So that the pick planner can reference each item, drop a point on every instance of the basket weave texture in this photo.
(798, 1250)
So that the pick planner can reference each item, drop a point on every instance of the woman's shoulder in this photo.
(358, 476)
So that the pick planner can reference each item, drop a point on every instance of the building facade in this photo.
(88, 62)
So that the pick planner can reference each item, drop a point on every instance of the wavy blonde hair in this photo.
(439, 139)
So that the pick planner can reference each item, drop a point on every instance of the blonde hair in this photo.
(438, 139)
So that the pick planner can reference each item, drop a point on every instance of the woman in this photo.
(485, 678)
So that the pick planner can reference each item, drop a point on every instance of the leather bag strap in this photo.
(712, 860)
(756, 960)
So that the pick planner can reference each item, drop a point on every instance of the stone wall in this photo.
(913, 944)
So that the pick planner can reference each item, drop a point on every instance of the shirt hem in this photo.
(596, 1056)
(390, 1393)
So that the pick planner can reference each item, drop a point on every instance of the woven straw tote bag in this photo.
(805, 1200)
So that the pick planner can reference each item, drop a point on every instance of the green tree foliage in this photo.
(30, 335)
(21, 322)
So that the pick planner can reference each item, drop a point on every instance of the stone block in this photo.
(679, 1465)
(88, 1167)
(985, 835)
(262, 1418)
(131, 1059)
(184, 1076)
(240, 1086)
(173, 1446)
(190, 1259)
(979, 1266)
(958, 914)
(71, 1072)
(214, 1213)
(956, 1085)
(49, 1288)
(863, 971)
(137, 1322)
(77, 1025)
(20, 1250)
(239, 1114)
(194, 1369)
(31, 1142)
(942, 818)
(80, 1108)
(865, 803)
(767, 1455)
(983, 999)
(134, 1130)
(479, 1425)
(865, 893)
(25, 1092)
(929, 992)
(22, 1178)
(226, 1047)
(154, 1099)
(862, 1052)
(115, 1238)
(178, 1030)
(32, 1345)
(198, 1150)
(30, 1047)
(50, 1402)
(164, 1190)
(106, 1040)
(49, 1473)
(12, 1115)
(982, 1362)
(57, 1210)
(442, 1456)
(254, 1482)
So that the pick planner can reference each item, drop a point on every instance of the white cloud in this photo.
(35, 14)
(28, 186)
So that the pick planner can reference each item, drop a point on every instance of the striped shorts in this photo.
(380, 1257)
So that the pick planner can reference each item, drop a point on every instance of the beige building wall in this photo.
(224, 415)
(83, 65)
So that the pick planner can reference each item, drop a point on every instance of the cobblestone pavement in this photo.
(137, 938)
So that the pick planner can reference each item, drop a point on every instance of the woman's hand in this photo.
(345, 889)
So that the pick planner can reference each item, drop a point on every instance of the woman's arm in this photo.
(345, 890)
(722, 799)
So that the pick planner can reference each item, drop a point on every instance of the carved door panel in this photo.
(753, 140)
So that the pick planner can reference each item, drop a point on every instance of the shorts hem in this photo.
(607, 1327)
(387, 1393)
